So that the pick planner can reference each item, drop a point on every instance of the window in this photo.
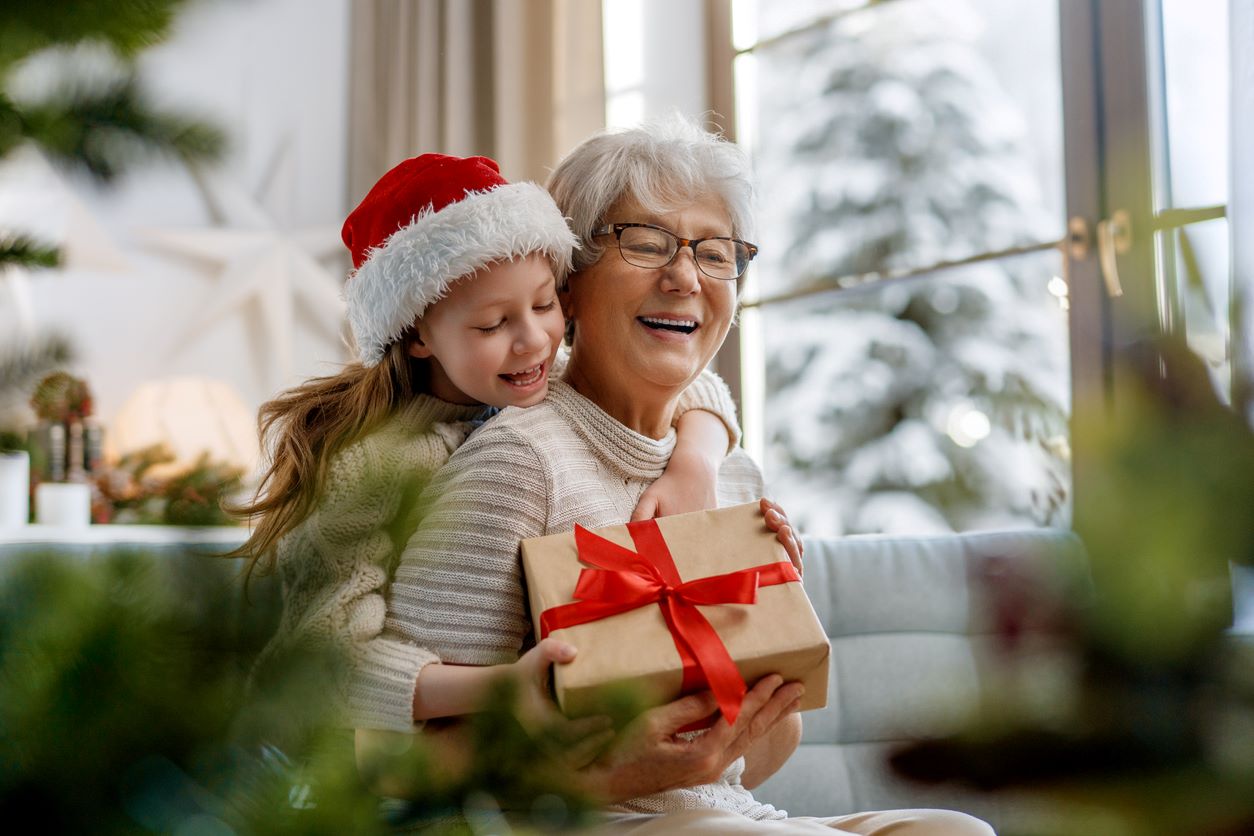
(905, 340)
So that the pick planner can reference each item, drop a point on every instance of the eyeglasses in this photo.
(646, 245)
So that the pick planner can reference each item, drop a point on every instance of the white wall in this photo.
(273, 74)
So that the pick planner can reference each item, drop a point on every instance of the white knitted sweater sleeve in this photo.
(458, 589)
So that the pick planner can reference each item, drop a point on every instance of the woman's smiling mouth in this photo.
(657, 323)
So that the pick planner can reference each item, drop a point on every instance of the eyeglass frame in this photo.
(616, 229)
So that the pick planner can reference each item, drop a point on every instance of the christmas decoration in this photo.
(262, 266)
(61, 398)
(129, 493)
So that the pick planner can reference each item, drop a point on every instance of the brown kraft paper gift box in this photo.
(780, 633)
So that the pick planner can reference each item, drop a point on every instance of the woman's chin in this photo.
(674, 376)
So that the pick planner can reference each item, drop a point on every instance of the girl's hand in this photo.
(579, 741)
(689, 484)
(777, 521)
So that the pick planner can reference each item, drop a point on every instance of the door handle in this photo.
(1114, 237)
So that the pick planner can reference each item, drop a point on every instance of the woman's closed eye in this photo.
(714, 257)
(652, 248)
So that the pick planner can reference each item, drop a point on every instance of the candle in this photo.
(67, 504)
(14, 489)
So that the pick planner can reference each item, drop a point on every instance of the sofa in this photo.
(908, 619)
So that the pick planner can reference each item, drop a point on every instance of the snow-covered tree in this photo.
(932, 404)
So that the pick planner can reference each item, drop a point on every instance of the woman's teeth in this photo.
(526, 377)
(683, 326)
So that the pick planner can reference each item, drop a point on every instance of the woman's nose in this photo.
(681, 274)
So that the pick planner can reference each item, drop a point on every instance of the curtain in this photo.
(520, 82)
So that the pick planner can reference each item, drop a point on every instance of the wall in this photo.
(273, 74)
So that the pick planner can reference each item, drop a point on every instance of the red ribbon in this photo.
(625, 580)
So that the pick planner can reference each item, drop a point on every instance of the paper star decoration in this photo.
(261, 264)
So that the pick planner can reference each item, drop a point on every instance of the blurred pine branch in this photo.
(23, 251)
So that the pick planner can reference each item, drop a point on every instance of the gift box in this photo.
(675, 605)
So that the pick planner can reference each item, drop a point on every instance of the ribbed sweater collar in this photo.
(424, 411)
(624, 450)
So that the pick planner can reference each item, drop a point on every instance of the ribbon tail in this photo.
(711, 656)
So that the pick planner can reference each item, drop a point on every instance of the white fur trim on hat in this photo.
(418, 263)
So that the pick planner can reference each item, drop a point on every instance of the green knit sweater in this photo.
(335, 567)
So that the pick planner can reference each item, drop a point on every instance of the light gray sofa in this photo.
(909, 628)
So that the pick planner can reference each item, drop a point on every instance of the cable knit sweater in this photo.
(336, 565)
(459, 589)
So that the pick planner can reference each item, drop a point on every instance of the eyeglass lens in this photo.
(718, 258)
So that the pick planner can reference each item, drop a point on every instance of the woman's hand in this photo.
(651, 756)
(777, 521)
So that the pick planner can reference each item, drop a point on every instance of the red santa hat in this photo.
(430, 221)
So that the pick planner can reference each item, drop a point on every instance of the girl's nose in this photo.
(532, 338)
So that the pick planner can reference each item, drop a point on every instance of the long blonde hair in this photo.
(304, 427)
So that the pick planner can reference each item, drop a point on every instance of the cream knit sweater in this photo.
(336, 565)
(459, 589)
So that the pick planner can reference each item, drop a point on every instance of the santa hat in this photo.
(430, 221)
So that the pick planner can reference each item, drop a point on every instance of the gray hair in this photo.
(662, 165)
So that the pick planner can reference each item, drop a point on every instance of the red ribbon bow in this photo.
(624, 580)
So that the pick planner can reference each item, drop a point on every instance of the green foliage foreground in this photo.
(124, 709)
(1149, 726)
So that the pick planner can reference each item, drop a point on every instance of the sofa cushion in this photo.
(908, 628)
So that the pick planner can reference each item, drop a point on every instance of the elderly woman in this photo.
(661, 214)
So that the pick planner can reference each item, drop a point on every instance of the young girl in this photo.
(454, 310)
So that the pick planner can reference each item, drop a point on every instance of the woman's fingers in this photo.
(576, 743)
(777, 521)
(673, 716)
(782, 700)
(588, 748)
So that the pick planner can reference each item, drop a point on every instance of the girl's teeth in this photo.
(525, 377)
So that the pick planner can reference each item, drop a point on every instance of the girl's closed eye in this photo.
(490, 329)
(547, 306)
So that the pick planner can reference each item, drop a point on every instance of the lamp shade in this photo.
(189, 415)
